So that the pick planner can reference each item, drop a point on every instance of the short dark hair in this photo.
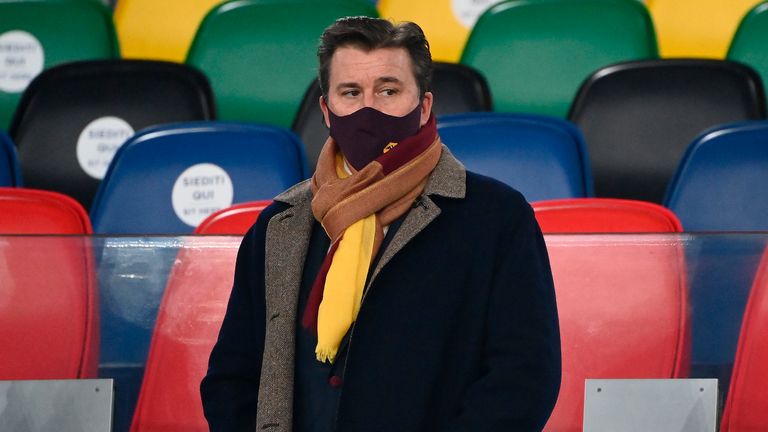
(368, 33)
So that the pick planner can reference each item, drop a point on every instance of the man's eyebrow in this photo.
(388, 79)
(347, 85)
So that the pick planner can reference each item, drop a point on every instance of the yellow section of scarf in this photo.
(344, 285)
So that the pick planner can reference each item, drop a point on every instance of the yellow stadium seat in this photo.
(697, 28)
(159, 29)
(446, 23)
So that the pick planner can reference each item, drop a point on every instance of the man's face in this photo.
(381, 79)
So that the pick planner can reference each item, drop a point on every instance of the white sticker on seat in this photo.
(468, 11)
(21, 59)
(201, 190)
(98, 143)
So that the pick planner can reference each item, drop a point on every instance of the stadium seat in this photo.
(31, 211)
(48, 316)
(748, 45)
(68, 150)
(572, 282)
(638, 118)
(746, 408)
(718, 187)
(697, 28)
(159, 30)
(604, 215)
(166, 180)
(726, 165)
(236, 219)
(535, 54)
(10, 171)
(457, 89)
(623, 314)
(542, 157)
(187, 325)
(260, 54)
(445, 23)
(43, 33)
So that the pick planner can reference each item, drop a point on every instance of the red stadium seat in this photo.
(621, 299)
(236, 219)
(48, 307)
(607, 215)
(187, 325)
(746, 408)
(32, 211)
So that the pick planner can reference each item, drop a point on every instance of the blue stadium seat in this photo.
(166, 180)
(727, 165)
(542, 157)
(10, 172)
(720, 186)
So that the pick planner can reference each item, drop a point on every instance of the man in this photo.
(394, 291)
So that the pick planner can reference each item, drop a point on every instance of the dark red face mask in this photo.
(363, 135)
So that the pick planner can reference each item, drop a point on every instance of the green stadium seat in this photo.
(536, 53)
(260, 54)
(749, 43)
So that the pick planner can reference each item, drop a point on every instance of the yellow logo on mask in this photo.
(389, 147)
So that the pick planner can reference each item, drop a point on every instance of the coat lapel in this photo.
(287, 242)
(447, 180)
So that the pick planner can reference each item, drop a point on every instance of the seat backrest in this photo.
(68, 150)
(542, 157)
(168, 179)
(718, 185)
(236, 219)
(446, 23)
(457, 89)
(638, 118)
(260, 54)
(188, 323)
(746, 408)
(30, 211)
(159, 30)
(697, 28)
(10, 170)
(748, 45)
(44, 33)
(49, 313)
(623, 314)
(536, 53)
(604, 215)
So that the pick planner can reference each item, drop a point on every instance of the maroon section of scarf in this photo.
(410, 147)
(311, 311)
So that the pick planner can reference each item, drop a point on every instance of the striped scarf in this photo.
(353, 209)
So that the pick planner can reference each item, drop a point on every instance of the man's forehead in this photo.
(352, 64)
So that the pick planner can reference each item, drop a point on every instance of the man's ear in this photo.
(324, 109)
(426, 108)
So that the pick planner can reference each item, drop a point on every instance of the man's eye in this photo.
(389, 92)
(352, 93)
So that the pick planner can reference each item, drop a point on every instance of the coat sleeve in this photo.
(521, 368)
(230, 388)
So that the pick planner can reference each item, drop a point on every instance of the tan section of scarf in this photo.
(338, 203)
